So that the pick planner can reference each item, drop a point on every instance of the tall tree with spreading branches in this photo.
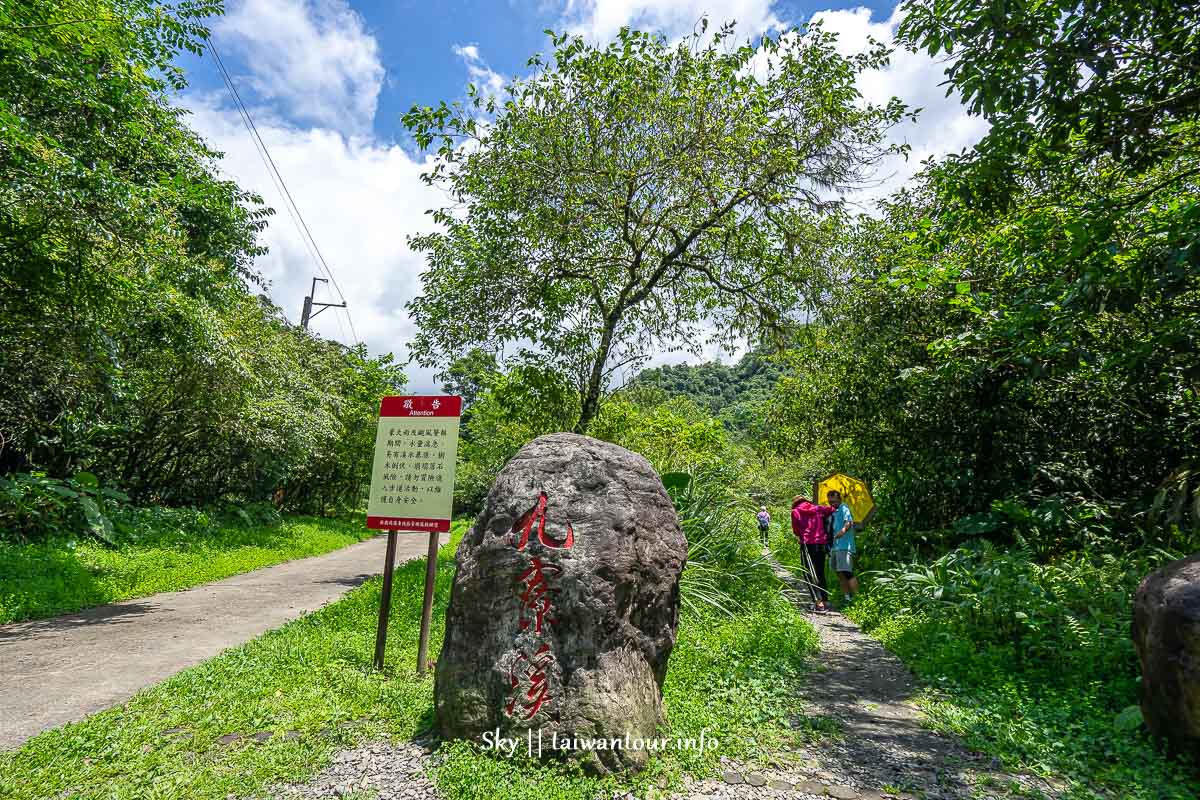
(642, 196)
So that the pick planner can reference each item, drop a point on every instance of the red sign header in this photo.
(408, 524)
(421, 406)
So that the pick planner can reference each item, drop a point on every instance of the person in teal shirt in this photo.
(842, 550)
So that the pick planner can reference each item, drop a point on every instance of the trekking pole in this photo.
(812, 575)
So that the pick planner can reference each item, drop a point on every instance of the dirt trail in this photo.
(884, 749)
(59, 670)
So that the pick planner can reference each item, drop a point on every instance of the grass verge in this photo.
(58, 577)
(1060, 725)
(732, 676)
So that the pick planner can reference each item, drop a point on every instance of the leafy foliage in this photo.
(470, 376)
(1063, 82)
(723, 565)
(519, 405)
(134, 345)
(35, 506)
(1008, 353)
(1033, 662)
(1041, 354)
(1068, 617)
(671, 434)
(734, 393)
(623, 195)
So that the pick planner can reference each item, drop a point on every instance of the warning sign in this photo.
(412, 481)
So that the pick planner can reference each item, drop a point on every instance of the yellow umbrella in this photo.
(855, 493)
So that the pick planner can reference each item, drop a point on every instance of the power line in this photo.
(243, 114)
(277, 179)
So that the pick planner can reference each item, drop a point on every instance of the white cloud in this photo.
(360, 199)
(486, 80)
(942, 127)
(319, 68)
(314, 59)
(600, 20)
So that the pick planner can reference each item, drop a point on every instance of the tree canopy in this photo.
(1062, 82)
(1036, 353)
(641, 195)
(135, 343)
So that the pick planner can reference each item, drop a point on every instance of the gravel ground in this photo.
(380, 770)
(884, 750)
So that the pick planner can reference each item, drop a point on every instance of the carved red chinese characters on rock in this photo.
(537, 515)
(535, 595)
(535, 673)
(565, 602)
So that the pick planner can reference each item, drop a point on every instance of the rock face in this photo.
(564, 606)
(1166, 633)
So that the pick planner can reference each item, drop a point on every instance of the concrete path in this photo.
(59, 670)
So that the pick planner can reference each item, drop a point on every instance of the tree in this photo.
(518, 405)
(112, 221)
(133, 343)
(1063, 80)
(631, 196)
(469, 377)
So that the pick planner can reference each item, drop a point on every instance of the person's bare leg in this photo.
(853, 583)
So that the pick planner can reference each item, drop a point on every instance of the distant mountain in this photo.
(718, 387)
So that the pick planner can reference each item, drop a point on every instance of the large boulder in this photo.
(565, 605)
(1166, 633)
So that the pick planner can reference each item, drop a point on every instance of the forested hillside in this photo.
(735, 393)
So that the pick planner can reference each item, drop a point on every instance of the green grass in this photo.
(1054, 719)
(57, 577)
(1054, 724)
(732, 676)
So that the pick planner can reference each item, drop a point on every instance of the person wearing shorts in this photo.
(842, 548)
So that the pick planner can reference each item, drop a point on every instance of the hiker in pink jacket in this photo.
(808, 526)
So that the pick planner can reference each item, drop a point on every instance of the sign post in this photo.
(412, 491)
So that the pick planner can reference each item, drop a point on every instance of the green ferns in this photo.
(1030, 661)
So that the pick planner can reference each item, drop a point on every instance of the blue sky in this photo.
(327, 82)
(420, 43)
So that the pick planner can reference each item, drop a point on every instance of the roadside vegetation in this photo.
(137, 344)
(734, 671)
(1030, 662)
(1006, 349)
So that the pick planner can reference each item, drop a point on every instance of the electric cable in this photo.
(277, 180)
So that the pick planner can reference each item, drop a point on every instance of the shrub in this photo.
(1032, 662)
(723, 563)
(1055, 619)
(35, 507)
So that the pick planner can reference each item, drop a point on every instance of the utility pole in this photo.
(307, 313)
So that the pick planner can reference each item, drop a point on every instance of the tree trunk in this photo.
(591, 398)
